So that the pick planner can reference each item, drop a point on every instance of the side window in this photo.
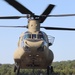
(51, 39)
(40, 36)
(44, 36)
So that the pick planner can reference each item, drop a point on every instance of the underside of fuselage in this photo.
(38, 59)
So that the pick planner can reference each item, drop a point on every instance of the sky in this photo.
(64, 43)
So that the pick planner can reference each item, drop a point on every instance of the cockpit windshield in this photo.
(33, 36)
(40, 36)
(27, 35)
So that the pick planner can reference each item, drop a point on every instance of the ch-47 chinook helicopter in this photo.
(33, 46)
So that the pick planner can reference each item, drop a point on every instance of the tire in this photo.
(48, 70)
(51, 69)
(15, 68)
(18, 70)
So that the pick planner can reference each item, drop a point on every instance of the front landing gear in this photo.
(49, 70)
(17, 69)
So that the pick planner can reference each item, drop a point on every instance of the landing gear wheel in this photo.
(49, 70)
(16, 69)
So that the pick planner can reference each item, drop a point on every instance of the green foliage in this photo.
(64, 67)
(60, 68)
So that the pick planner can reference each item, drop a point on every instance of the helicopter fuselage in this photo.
(33, 48)
(33, 53)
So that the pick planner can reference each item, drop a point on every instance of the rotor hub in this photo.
(33, 26)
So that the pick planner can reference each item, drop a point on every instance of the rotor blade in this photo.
(19, 7)
(58, 28)
(46, 12)
(13, 26)
(12, 17)
(18, 17)
(61, 15)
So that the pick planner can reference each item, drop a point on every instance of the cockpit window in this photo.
(27, 36)
(40, 36)
(33, 36)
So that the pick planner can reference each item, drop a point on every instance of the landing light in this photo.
(29, 55)
(37, 55)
